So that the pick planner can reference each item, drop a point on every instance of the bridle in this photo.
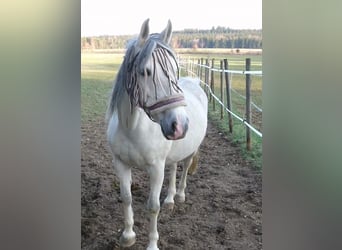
(167, 102)
(164, 104)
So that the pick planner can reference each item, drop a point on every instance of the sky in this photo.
(124, 17)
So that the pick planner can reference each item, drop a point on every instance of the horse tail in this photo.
(194, 164)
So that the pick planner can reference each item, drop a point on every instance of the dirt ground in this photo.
(222, 208)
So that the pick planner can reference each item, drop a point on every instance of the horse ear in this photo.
(144, 32)
(166, 34)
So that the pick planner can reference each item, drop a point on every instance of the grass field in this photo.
(97, 75)
(98, 71)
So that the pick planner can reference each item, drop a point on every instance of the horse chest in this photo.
(129, 154)
(139, 150)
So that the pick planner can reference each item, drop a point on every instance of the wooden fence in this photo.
(205, 70)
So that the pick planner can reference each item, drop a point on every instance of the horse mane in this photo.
(133, 64)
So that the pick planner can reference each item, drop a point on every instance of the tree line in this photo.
(216, 37)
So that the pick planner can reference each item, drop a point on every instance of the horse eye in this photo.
(147, 70)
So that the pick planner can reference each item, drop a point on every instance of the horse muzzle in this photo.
(174, 127)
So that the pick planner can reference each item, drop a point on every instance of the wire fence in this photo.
(206, 73)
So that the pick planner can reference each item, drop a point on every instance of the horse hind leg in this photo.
(189, 161)
(190, 167)
(123, 172)
(194, 165)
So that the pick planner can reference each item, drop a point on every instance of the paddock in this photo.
(222, 208)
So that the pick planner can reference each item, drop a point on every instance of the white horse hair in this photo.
(154, 120)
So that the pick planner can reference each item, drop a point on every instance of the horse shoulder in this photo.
(139, 146)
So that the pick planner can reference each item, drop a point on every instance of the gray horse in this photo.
(154, 120)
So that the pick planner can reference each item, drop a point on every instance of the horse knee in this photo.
(153, 206)
(126, 197)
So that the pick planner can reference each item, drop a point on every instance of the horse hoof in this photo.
(180, 198)
(168, 206)
(127, 240)
(152, 248)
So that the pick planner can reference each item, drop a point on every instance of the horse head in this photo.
(152, 82)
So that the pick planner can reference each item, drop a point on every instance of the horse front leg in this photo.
(169, 200)
(123, 172)
(156, 174)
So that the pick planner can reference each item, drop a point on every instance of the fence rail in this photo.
(196, 69)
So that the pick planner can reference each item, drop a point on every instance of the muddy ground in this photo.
(222, 208)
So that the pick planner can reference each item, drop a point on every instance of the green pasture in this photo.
(97, 75)
(98, 71)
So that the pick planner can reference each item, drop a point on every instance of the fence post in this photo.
(198, 68)
(191, 65)
(201, 69)
(221, 87)
(179, 68)
(212, 81)
(187, 65)
(229, 100)
(248, 103)
(206, 79)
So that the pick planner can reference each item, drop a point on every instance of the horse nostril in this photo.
(174, 126)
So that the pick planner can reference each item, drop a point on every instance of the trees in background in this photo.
(219, 37)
